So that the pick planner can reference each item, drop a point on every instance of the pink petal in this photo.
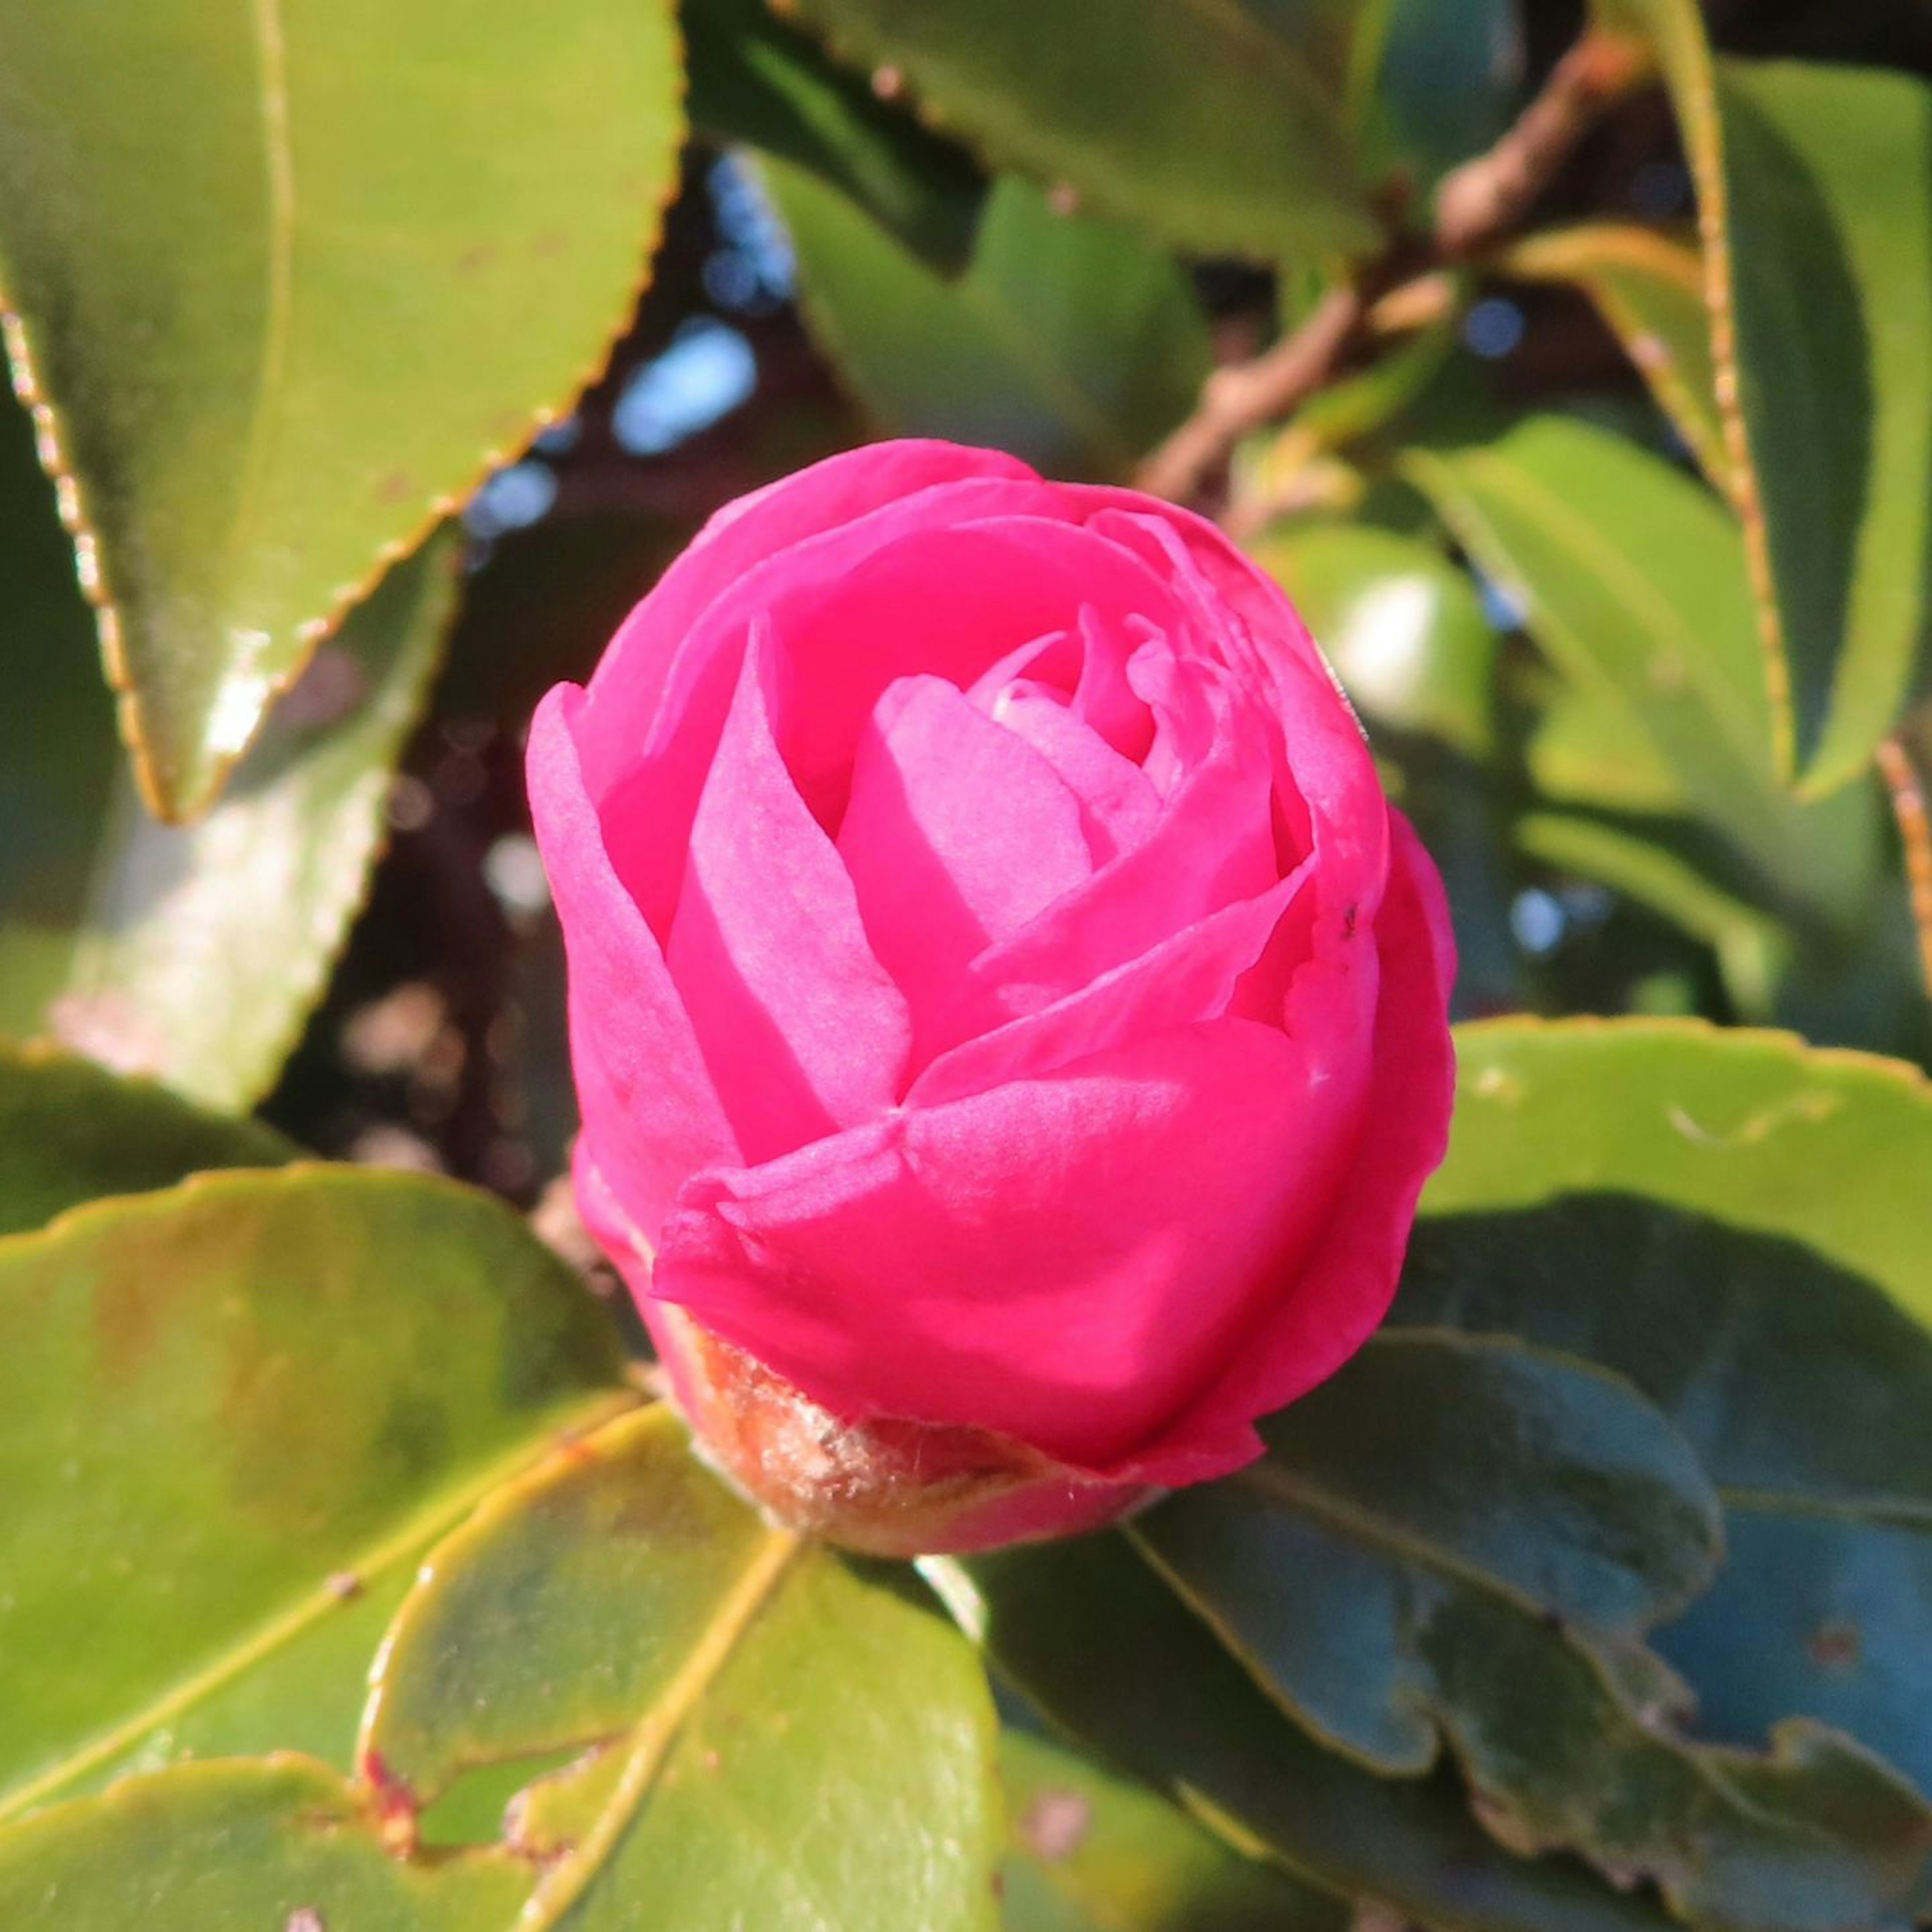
(957, 833)
(803, 1029)
(649, 1108)
(1119, 806)
(1060, 1260)
(1188, 978)
(1211, 848)
(629, 682)
(1327, 1308)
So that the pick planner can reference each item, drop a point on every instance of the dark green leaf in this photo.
(1459, 1543)
(1093, 1852)
(1815, 187)
(226, 1409)
(279, 298)
(1221, 125)
(757, 81)
(1108, 1653)
(1435, 80)
(192, 953)
(621, 1596)
(1731, 1223)
(1071, 342)
(70, 1132)
(279, 1846)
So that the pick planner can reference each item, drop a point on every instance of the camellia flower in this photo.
(1009, 1021)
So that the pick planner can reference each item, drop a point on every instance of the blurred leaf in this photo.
(1220, 124)
(226, 1409)
(756, 80)
(1093, 1852)
(70, 1132)
(279, 1846)
(621, 1593)
(1434, 81)
(1458, 1543)
(1815, 184)
(1070, 342)
(1732, 1222)
(1075, 1625)
(475, 197)
(1404, 628)
(1632, 579)
(1650, 289)
(192, 953)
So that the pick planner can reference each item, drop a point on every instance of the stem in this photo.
(1915, 830)
(1475, 207)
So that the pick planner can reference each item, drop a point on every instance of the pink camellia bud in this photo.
(1009, 1021)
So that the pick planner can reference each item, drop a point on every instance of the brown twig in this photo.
(1478, 205)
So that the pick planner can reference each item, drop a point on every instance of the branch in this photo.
(1475, 207)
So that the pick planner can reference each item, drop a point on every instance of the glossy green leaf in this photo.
(1731, 1221)
(1074, 1624)
(1650, 289)
(621, 1595)
(1069, 341)
(1815, 189)
(192, 953)
(757, 81)
(1632, 578)
(280, 1846)
(1094, 1852)
(1220, 124)
(70, 1132)
(226, 1408)
(284, 281)
(1457, 1545)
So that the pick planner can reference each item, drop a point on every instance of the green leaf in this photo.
(1093, 1852)
(621, 1595)
(1069, 341)
(227, 1407)
(70, 1132)
(757, 81)
(1815, 188)
(1434, 81)
(1729, 1221)
(1220, 124)
(1111, 1655)
(1633, 581)
(191, 953)
(241, 1847)
(1460, 1543)
(1829, 177)
(1650, 289)
(278, 300)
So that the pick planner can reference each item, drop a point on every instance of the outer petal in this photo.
(648, 1102)
(803, 1030)
(1335, 1300)
(630, 678)
(1061, 1260)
